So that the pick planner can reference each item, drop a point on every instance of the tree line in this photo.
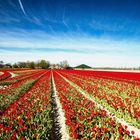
(40, 64)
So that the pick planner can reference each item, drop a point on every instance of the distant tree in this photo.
(15, 65)
(44, 64)
(69, 68)
(22, 64)
(32, 65)
(64, 64)
(1, 64)
(8, 65)
(37, 65)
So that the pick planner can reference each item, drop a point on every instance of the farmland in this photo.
(69, 104)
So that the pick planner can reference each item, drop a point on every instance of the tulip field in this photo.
(69, 104)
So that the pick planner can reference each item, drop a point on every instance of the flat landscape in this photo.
(69, 104)
(69, 69)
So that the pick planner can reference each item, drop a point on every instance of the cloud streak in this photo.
(40, 39)
(63, 42)
(74, 47)
(22, 8)
(27, 49)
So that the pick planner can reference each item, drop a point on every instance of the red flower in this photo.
(128, 132)
(71, 135)
(8, 129)
(132, 132)
(35, 135)
(93, 135)
(105, 138)
(14, 133)
(119, 130)
(112, 131)
(136, 138)
(103, 129)
(94, 127)
(67, 122)
(22, 138)
(75, 134)
(126, 127)
(120, 137)
(19, 129)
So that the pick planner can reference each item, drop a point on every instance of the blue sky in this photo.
(95, 32)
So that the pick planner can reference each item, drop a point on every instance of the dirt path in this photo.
(124, 123)
(1, 73)
(12, 74)
(60, 118)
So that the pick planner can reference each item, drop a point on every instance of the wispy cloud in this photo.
(40, 50)
(64, 20)
(22, 8)
(9, 20)
(40, 39)
(12, 4)
(77, 48)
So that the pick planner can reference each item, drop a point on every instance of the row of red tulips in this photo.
(116, 75)
(4, 75)
(23, 72)
(20, 77)
(83, 119)
(16, 69)
(28, 117)
(13, 91)
(112, 95)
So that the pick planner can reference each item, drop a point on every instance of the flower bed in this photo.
(21, 77)
(119, 98)
(83, 119)
(5, 75)
(28, 117)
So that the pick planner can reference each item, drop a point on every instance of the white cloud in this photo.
(86, 49)
(73, 58)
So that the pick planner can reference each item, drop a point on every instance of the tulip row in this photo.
(23, 72)
(129, 90)
(20, 77)
(5, 75)
(13, 91)
(25, 75)
(28, 117)
(16, 69)
(116, 75)
(113, 95)
(83, 119)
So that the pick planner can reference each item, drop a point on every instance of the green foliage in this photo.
(44, 64)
